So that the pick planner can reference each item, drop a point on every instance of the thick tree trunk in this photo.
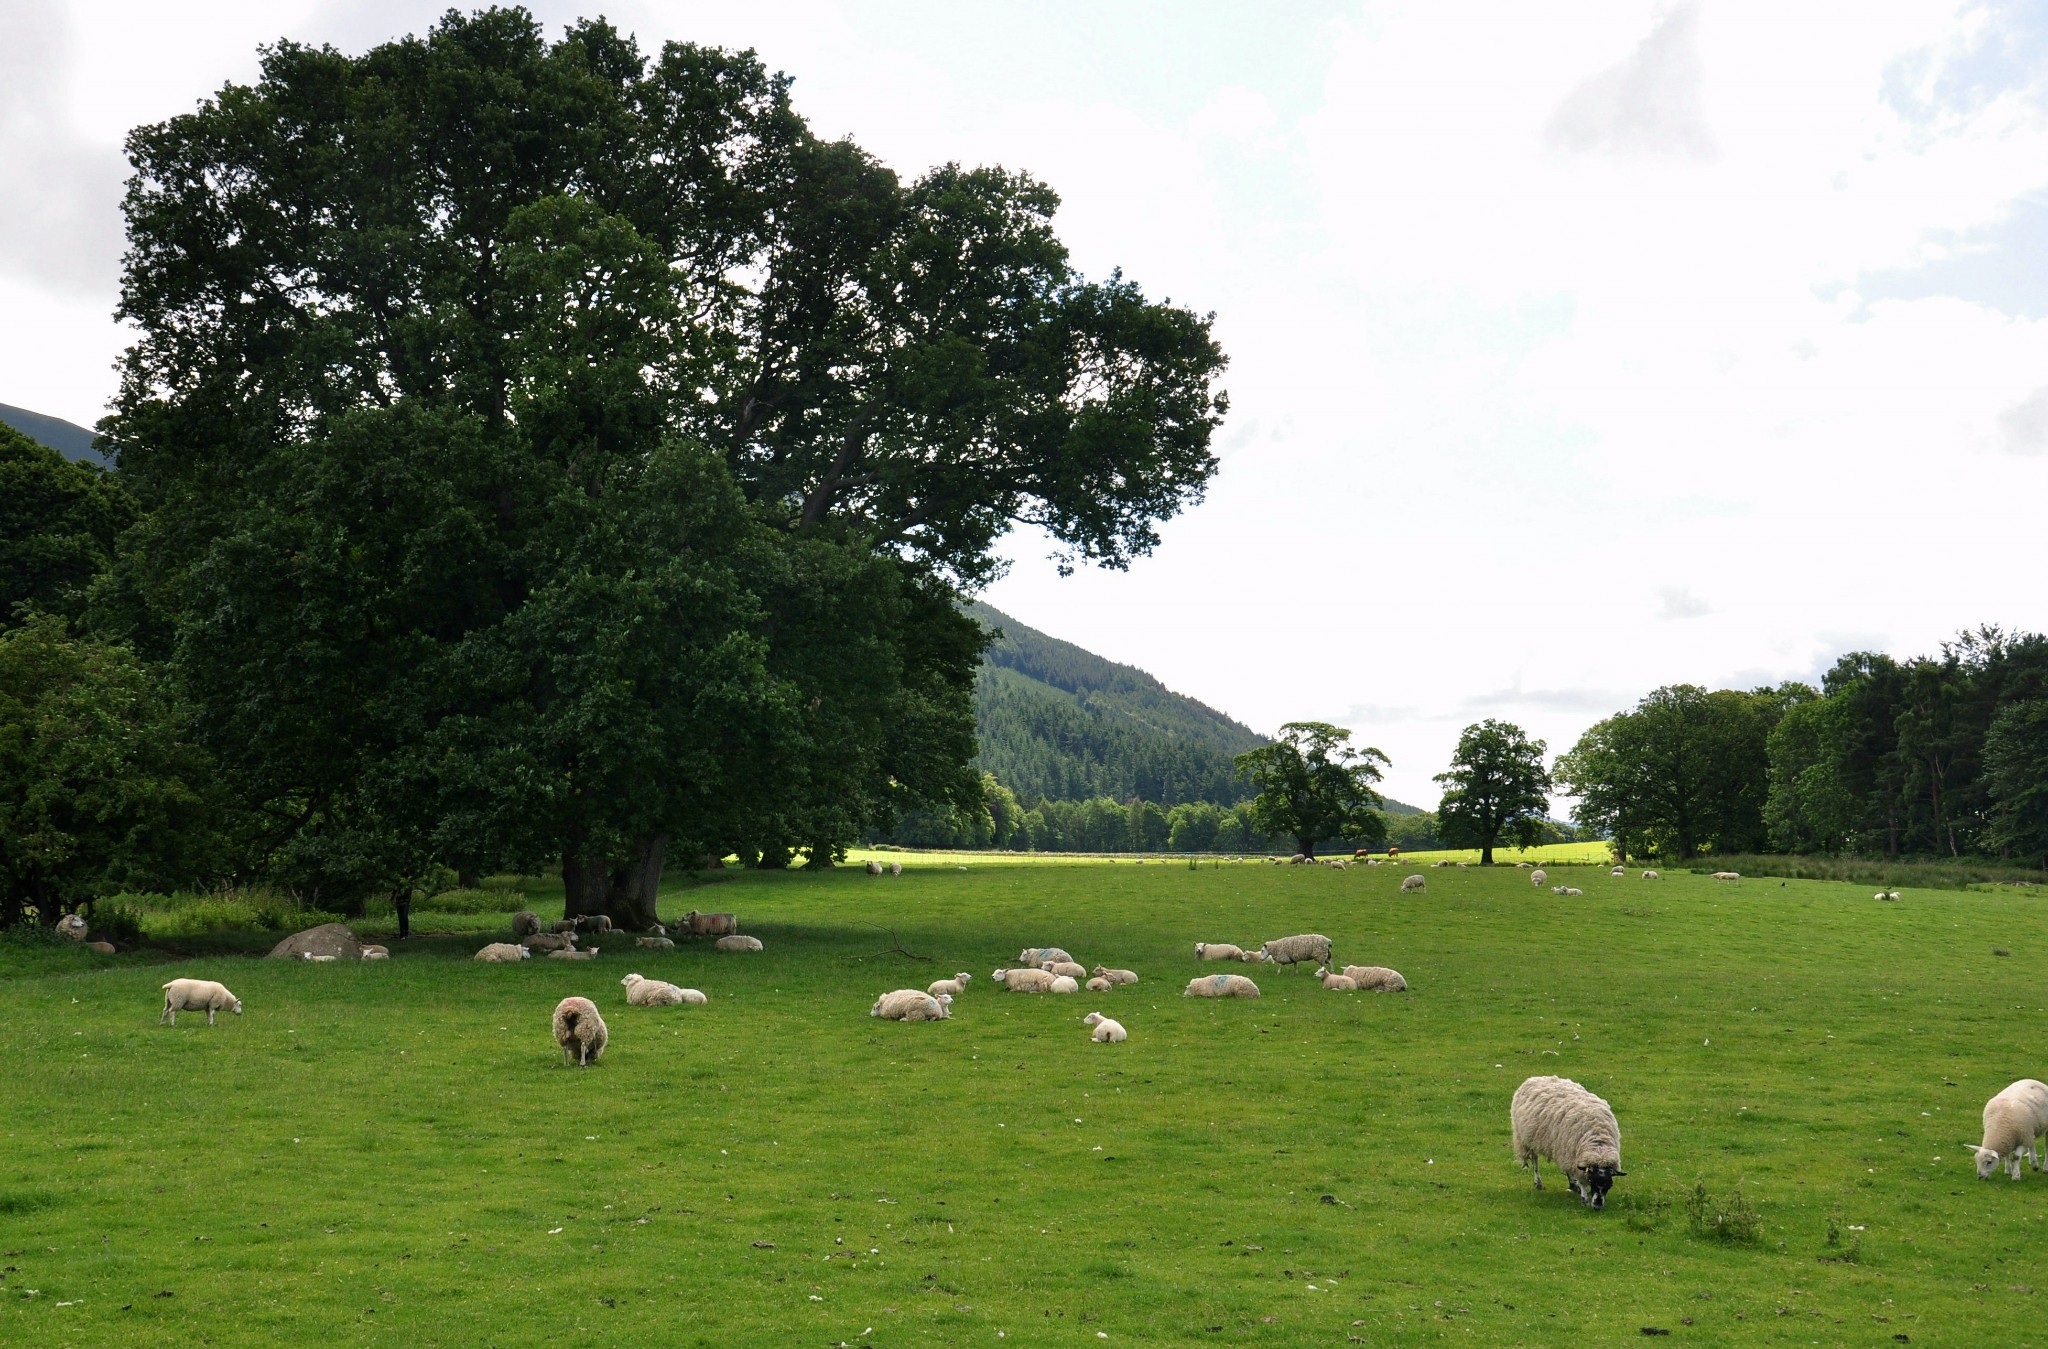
(821, 858)
(1486, 855)
(1305, 846)
(623, 890)
(774, 857)
(469, 880)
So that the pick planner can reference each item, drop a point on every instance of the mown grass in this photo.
(391, 1153)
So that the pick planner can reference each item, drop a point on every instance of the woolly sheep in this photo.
(1098, 985)
(1619, 871)
(1538, 876)
(580, 1031)
(1376, 979)
(567, 925)
(1064, 983)
(1893, 896)
(895, 868)
(197, 995)
(1651, 876)
(874, 868)
(1573, 892)
(1024, 980)
(1525, 865)
(1336, 983)
(642, 992)
(910, 1004)
(105, 948)
(550, 941)
(2013, 1120)
(1416, 882)
(653, 944)
(1310, 948)
(73, 926)
(593, 922)
(525, 923)
(1557, 1118)
(1727, 875)
(1297, 859)
(1066, 967)
(709, 924)
(1038, 955)
(1116, 976)
(954, 986)
(376, 953)
(503, 953)
(573, 954)
(1217, 950)
(1220, 986)
(1106, 1032)
(737, 943)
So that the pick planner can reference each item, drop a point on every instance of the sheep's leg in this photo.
(1536, 1169)
(170, 1016)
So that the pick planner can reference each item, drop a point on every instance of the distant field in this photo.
(392, 1153)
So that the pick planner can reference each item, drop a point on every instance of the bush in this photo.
(1732, 1219)
(473, 901)
(116, 922)
(237, 910)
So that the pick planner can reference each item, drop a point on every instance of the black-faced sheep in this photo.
(1557, 1118)
(580, 1031)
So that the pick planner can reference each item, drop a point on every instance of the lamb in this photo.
(593, 922)
(1306, 948)
(573, 954)
(910, 1004)
(709, 924)
(550, 941)
(895, 868)
(1538, 876)
(376, 953)
(642, 992)
(874, 868)
(1106, 1032)
(1557, 1118)
(1220, 986)
(1024, 980)
(1727, 875)
(2013, 1120)
(1066, 967)
(1038, 955)
(1416, 882)
(1572, 892)
(567, 925)
(653, 944)
(580, 1031)
(503, 953)
(954, 986)
(1217, 950)
(197, 995)
(1651, 876)
(1116, 976)
(1064, 983)
(1376, 979)
(525, 923)
(1098, 985)
(1336, 983)
(737, 943)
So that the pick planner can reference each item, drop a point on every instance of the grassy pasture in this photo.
(392, 1154)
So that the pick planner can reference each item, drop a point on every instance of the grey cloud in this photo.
(60, 222)
(1650, 104)
(1679, 602)
(2023, 427)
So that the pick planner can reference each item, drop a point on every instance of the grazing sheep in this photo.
(895, 868)
(1336, 983)
(709, 924)
(1098, 985)
(954, 986)
(1038, 955)
(1557, 1118)
(1879, 895)
(1415, 882)
(580, 1031)
(573, 954)
(1024, 980)
(503, 953)
(1538, 876)
(2013, 1120)
(1116, 976)
(1220, 986)
(1651, 876)
(641, 992)
(1307, 948)
(1376, 979)
(72, 926)
(1066, 967)
(1893, 896)
(1106, 1032)
(376, 953)
(1217, 950)
(910, 1004)
(737, 943)
(1297, 859)
(1064, 983)
(197, 995)
(525, 923)
(1727, 875)
(653, 944)
(550, 941)
(874, 868)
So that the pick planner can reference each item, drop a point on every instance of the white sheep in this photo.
(1116, 976)
(709, 924)
(1538, 876)
(1336, 983)
(1098, 984)
(1064, 983)
(1220, 986)
(910, 1004)
(525, 923)
(1573, 892)
(73, 926)
(580, 1031)
(1376, 978)
(954, 986)
(1651, 876)
(642, 992)
(197, 995)
(1879, 895)
(1106, 1032)
(550, 941)
(1893, 896)
(376, 953)
(1038, 955)
(1066, 967)
(895, 868)
(2013, 1120)
(1619, 871)
(1217, 950)
(1557, 1118)
(874, 868)
(1415, 882)
(1727, 875)
(737, 943)
(653, 944)
(1307, 948)
(1024, 980)
(591, 954)
(503, 953)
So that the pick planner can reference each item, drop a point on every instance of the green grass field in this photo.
(393, 1154)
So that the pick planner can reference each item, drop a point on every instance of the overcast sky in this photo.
(1576, 348)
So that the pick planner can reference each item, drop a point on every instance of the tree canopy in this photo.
(58, 524)
(1312, 785)
(1496, 787)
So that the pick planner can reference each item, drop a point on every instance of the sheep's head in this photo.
(1000, 975)
(1593, 1188)
(235, 1006)
(1092, 1019)
(963, 977)
(630, 980)
(1987, 1161)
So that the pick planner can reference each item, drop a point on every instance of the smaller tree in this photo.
(1311, 785)
(1497, 787)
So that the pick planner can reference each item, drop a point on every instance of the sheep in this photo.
(580, 1031)
(2013, 1120)
(737, 943)
(1098, 984)
(1415, 882)
(1538, 876)
(1297, 859)
(895, 868)
(1557, 1118)
(1106, 1032)
(196, 995)
(1116, 976)
(1220, 986)
(709, 924)
(593, 922)
(105, 948)
(1651, 876)
(1525, 865)
(1306, 948)
(1038, 955)
(73, 926)
(653, 944)
(954, 986)
(1217, 950)
(310, 958)
(1619, 871)
(874, 868)
(1556, 889)
(1024, 980)
(1893, 896)
(1727, 875)
(376, 953)
(1064, 983)
(550, 941)
(525, 923)
(910, 1004)
(1336, 983)
(502, 953)
(567, 925)
(1376, 979)
(1573, 892)
(1066, 967)
(641, 992)
(657, 930)
(1878, 896)
(573, 954)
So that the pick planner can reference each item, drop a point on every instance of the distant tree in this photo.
(1413, 833)
(1604, 770)
(2016, 772)
(1496, 787)
(1311, 785)
(58, 523)
(1149, 829)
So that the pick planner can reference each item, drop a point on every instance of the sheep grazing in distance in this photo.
(1557, 1118)
(1619, 871)
(1116, 976)
(954, 986)
(573, 954)
(1307, 948)
(874, 868)
(1415, 882)
(1106, 1032)
(1220, 986)
(2013, 1120)
(1336, 983)
(1024, 980)
(502, 953)
(895, 868)
(653, 944)
(737, 943)
(1064, 983)
(1297, 859)
(1376, 979)
(1538, 876)
(910, 1004)
(1879, 895)
(1651, 876)
(1038, 955)
(550, 941)
(580, 1031)
(1525, 865)
(1098, 984)
(643, 992)
(1066, 967)
(709, 924)
(197, 995)
(1727, 875)
(1217, 950)
(376, 953)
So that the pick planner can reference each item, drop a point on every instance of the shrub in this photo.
(117, 922)
(474, 901)
(1732, 1219)
(237, 910)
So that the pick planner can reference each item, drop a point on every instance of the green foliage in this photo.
(1730, 1218)
(1923, 873)
(115, 921)
(1496, 788)
(58, 524)
(2016, 780)
(474, 901)
(1311, 785)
